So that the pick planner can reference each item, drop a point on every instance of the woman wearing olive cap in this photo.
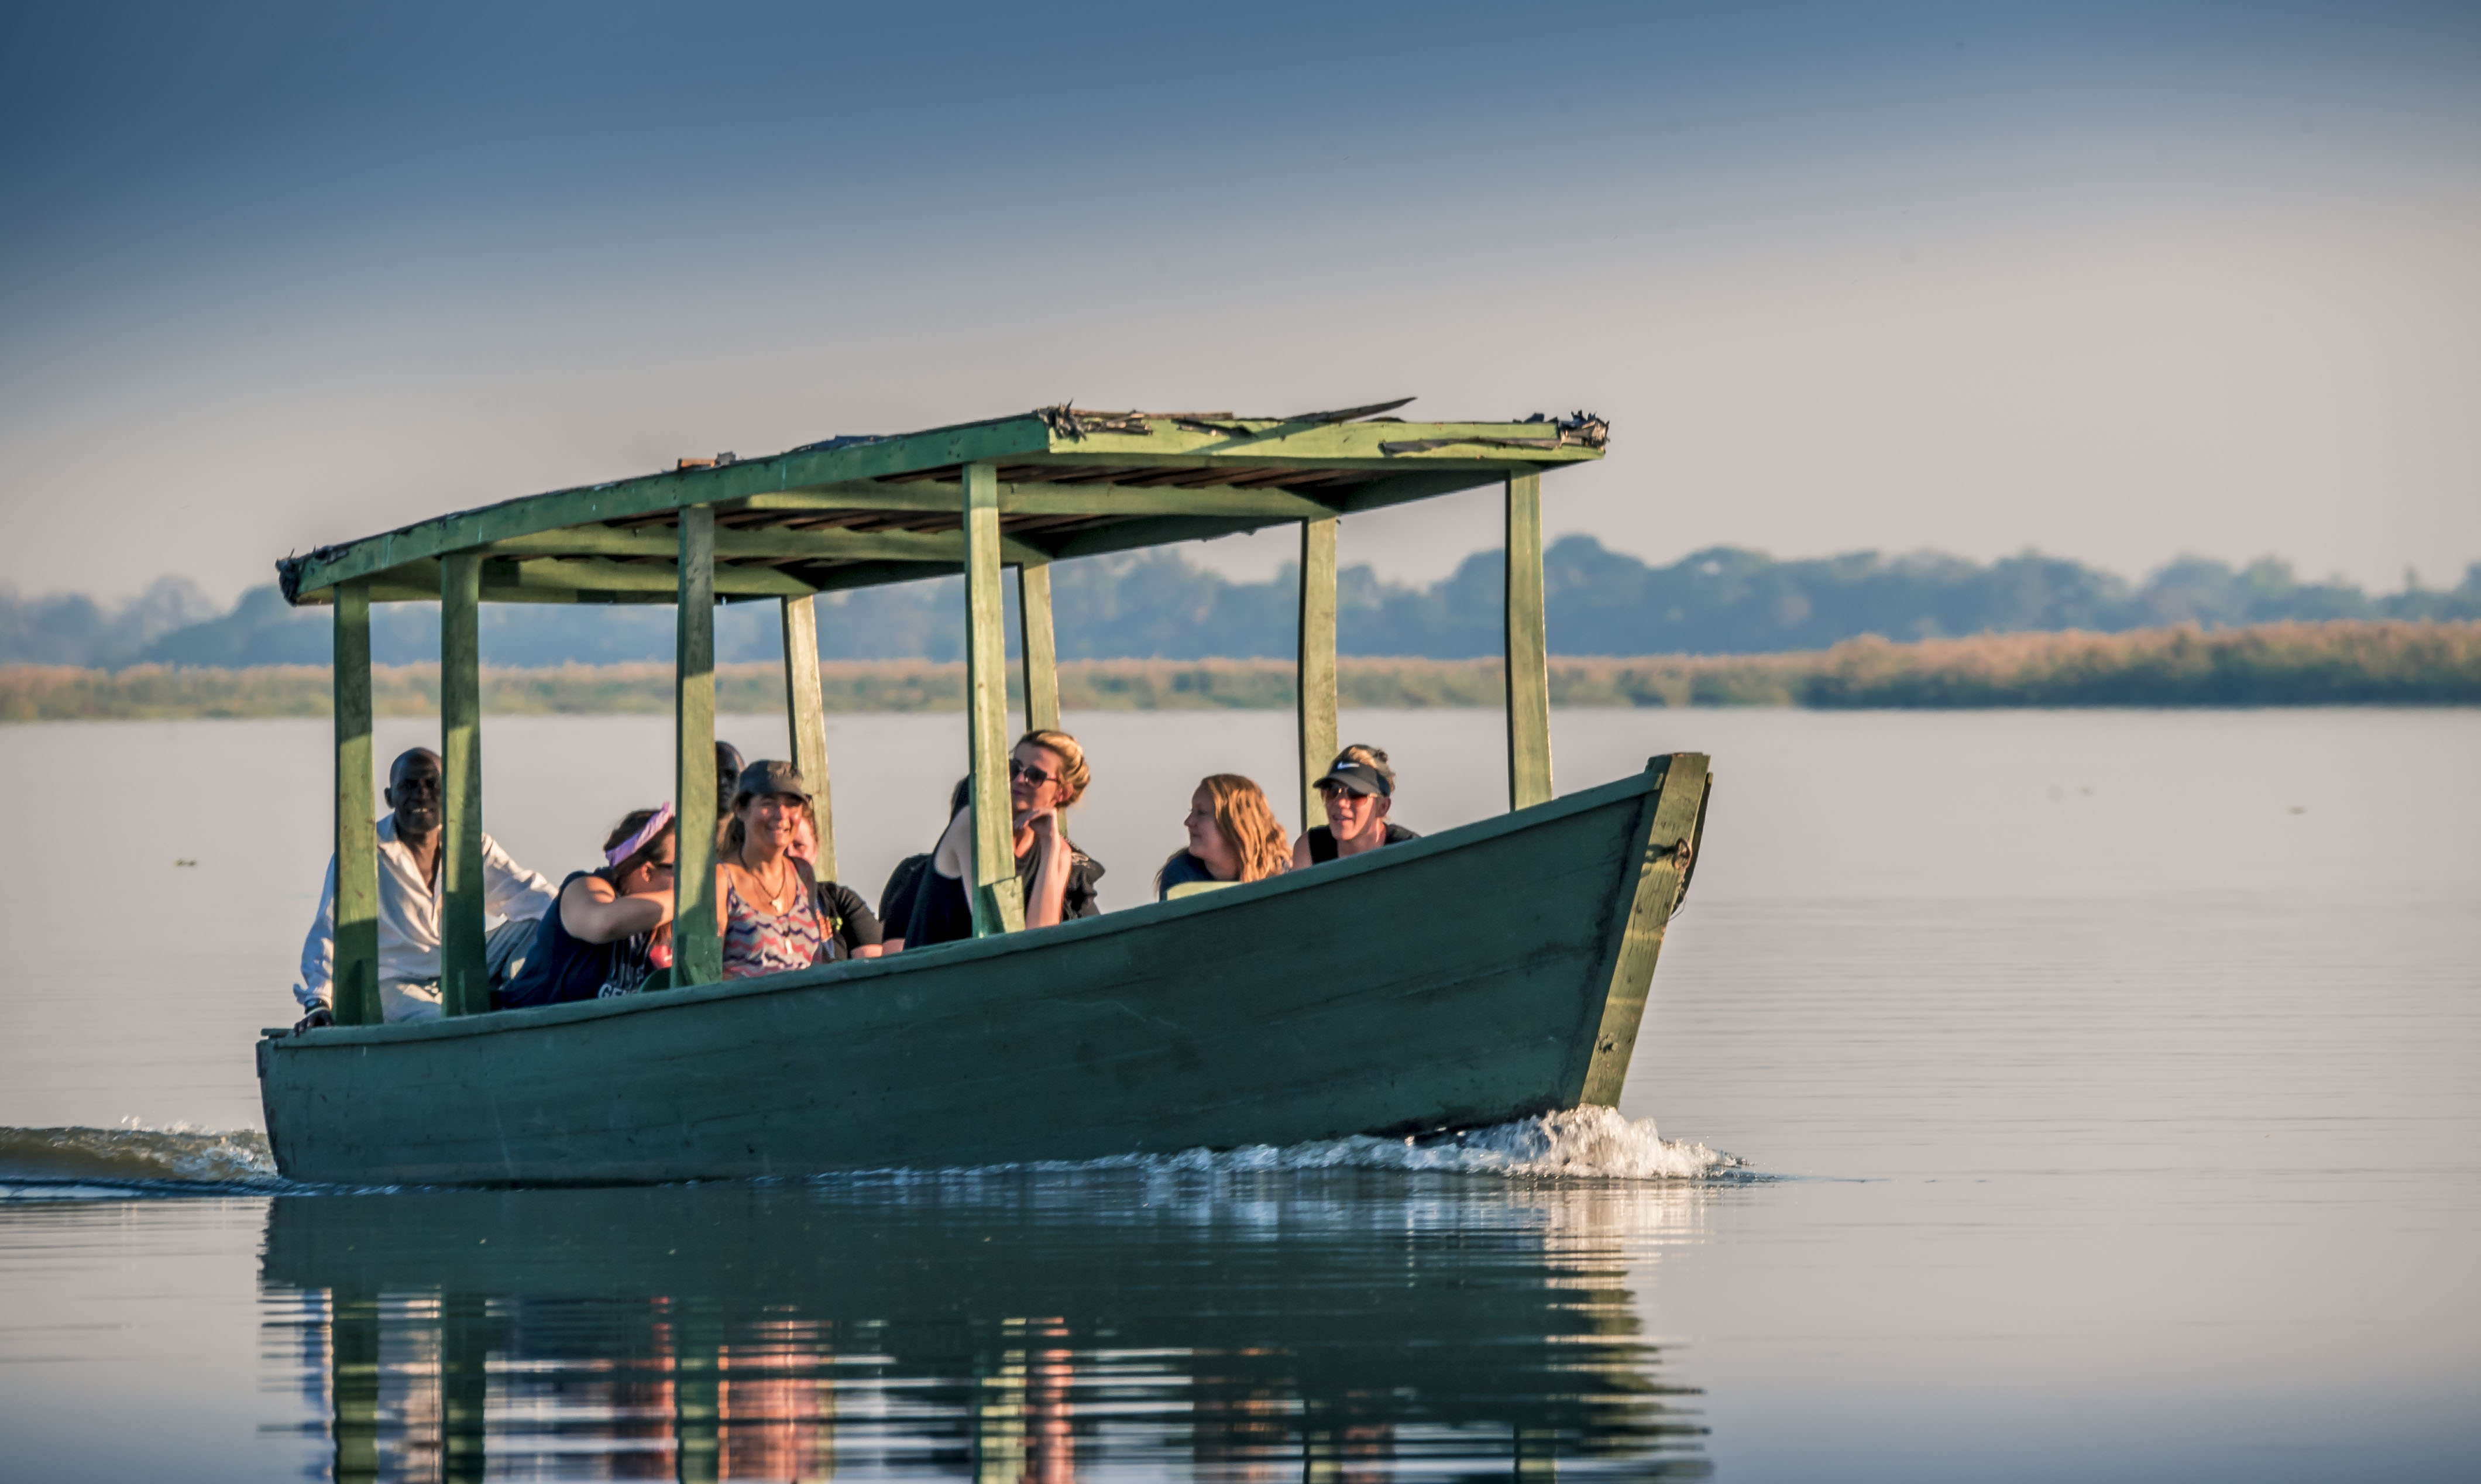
(767, 910)
(1358, 790)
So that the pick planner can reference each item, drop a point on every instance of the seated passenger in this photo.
(411, 899)
(767, 903)
(904, 883)
(1233, 836)
(1047, 773)
(727, 782)
(850, 920)
(608, 935)
(1357, 791)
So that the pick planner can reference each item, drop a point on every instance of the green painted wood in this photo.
(1167, 442)
(1167, 1027)
(1528, 664)
(354, 1423)
(997, 899)
(658, 580)
(356, 993)
(697, 953)
(465, 979)
(1315, 666)
(506, 580)
(1669, 821)
(670, 490)
(753, 544)
(805, 709)
(1042, 652)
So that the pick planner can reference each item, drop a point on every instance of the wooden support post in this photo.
(805, 709)
(1316, 664)
(354, 982)
(353, 1385)
(697, 953)
(1529, 665)
(465, 979)
(999, 903)
(1041, 653)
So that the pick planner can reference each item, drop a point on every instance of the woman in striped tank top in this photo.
(767, 908)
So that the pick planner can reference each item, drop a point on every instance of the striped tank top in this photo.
(755, 943)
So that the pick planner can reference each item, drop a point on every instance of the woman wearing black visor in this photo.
(1357, 791)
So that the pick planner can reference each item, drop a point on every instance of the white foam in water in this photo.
(1590, 1143)
(180, 1153)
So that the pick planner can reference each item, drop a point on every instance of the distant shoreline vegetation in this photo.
(1161, 605)
(2333, 664)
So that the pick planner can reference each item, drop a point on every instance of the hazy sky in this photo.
(2112, 282)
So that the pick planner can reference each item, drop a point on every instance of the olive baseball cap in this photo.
(769, 775)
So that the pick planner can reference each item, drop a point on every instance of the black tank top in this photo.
(560, 969)
(1323, 841)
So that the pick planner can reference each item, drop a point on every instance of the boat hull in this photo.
(1480, 975)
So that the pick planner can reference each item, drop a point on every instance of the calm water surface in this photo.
(2105, 1084)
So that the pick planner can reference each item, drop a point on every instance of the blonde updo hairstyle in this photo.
(1074, 775)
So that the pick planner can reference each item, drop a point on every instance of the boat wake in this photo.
(177, 1160)
(1587, 1143)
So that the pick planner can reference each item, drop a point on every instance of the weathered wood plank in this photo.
(1041, 651)
(805, 709)
(997, 901)
(1314, 709)
(763, 544)
(659, 580)
(697, 953)
(1668, 825)
(1528, 664)
(465, 979)
(1167, 444)
(672, 489)
(355, 996)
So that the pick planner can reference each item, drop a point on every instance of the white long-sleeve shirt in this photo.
(409, 915)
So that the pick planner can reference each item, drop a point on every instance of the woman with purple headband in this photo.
(610, 931)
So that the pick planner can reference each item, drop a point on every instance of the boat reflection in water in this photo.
(1318, 1324)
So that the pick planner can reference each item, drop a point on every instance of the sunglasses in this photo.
(1017, 769)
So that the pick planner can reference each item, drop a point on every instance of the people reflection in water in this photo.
(1289, 1325)
(1047, 773)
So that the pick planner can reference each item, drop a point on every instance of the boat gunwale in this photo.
(856, 971)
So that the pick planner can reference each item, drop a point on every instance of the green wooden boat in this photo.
(1361, 996)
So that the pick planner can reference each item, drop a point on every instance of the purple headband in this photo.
(638, 842)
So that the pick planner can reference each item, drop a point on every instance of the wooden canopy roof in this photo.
(858, 512)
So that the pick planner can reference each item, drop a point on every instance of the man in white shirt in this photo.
(410, 903)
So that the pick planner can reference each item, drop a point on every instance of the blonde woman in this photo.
(1358, 790)
(1233, 836)
(1047, 773)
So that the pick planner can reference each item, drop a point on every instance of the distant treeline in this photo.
(1157, 605)
(2341, 662)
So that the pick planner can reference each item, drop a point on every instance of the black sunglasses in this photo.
(1017, 769)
